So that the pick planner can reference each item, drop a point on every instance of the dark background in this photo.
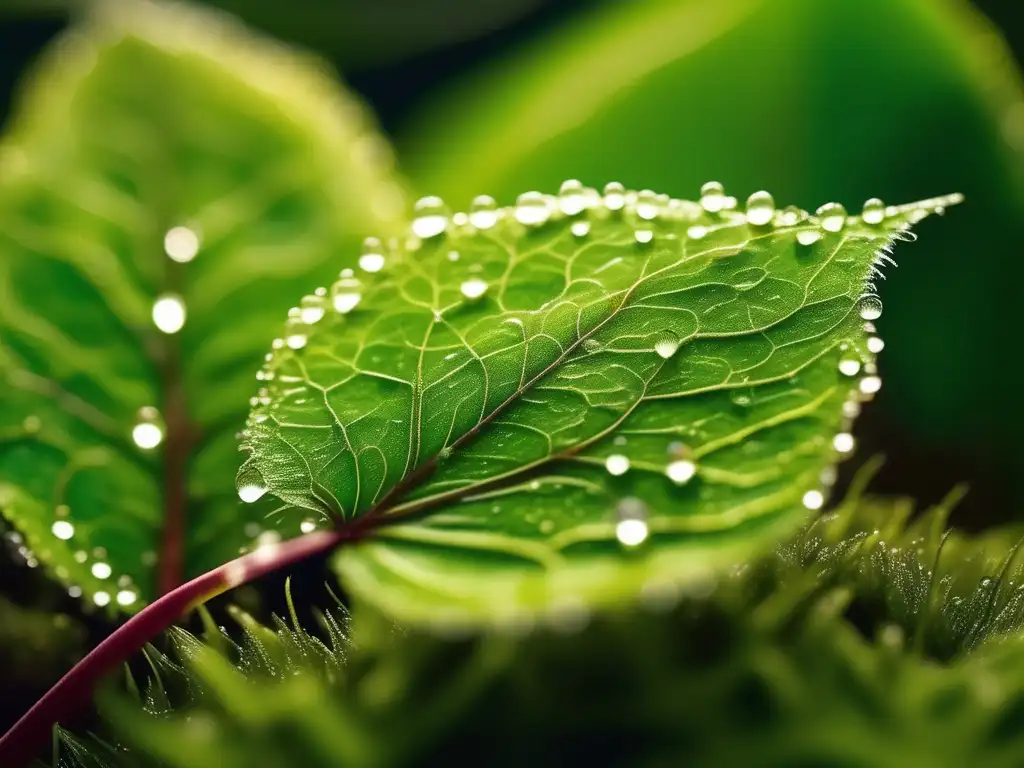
(397, 55)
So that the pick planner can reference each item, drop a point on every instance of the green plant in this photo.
(506, 424)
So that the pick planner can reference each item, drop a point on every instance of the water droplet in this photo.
(346, 293)
(843, 442)
(63, 530)
(696, 232)
(832, 217)
(646, 205)
(126, 597)
(849, 366)
(869, 385)
(101, 570)
(372, 257)
(643, 236)
(571, 198)
(791, 216)
(169, 313)
(312, 309)
(546, 526)
(874, 211)
(875, 344)
(532, 209)
(483, 212)
(148, 432)
(681, 472)
(614, 196)
(851, 409)
(75, 591)
(631, 529)
(667, 344)
(808, 236)
(712, 197)
(181, 244)
(430, 217)
(250, 484)
(814, 500)
(474, 288)
(307, 526)
(580, 228)
(617, 464)
(760, 208)
(870, 308)
(101, 598)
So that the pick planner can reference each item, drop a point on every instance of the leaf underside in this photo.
(152, 131)
(566, 403)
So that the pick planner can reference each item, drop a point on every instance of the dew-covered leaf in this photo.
(168, 185)
(576, 399)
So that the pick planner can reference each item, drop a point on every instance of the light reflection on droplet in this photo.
(875, 344)
(814, 500)
(169, 313)
(101, 598)
(181, 244)
(869, 385)
(632, 532)
(474, 288)
(843, 442)
(62, 529)
(849, 366)
(617, 464)
(101, 570)
(126, 597)
(681, 472)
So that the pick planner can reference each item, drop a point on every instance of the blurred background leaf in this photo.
(848, 99)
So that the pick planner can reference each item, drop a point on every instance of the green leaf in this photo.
(151, 135)
(835, 100)
(573, 400)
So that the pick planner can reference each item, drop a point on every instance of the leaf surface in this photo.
(573, 400)
(162, 159)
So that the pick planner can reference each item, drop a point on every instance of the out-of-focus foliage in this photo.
(846, 99)
(34, 642)
(766, 670)
(570, 401)
(162, 161)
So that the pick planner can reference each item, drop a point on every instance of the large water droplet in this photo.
(62, 529)
(681, 472)
(646, 206)
(532, 209)
(126, 597)
(643, 236)
(844, 442)
(667, 344)
(712, 197)
(631, 529)
(580, 228)
(874, 211)
(808, 236)
(832, 217)
(869, 385)
(372, 257)
(181, 244)
(875, 344)
(483, 213)
(760, 208)
(814, 500)
(474, 288)
(849, 366)
(870, 308)
(169, 313)
(347, 292)
(571, 198)
(617, 464)
(614, 196)
(101, 570)
(148, 431)
(312, 308)
(250, 484)
(307, 526)
(791, 216)
(430, 217)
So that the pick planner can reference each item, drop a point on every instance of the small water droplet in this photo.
(870, 308)
(712, 197)
(760, 208)
(101, 570)
(571, 198)
(62, 529)
(814, 499)
(617, 464)
(346, 293)
(791, 216)
(849, 366)
(372, 257)
(808, 236)
(312, 309)
(681, 472)
(646, 206)
(169, 313)
(474, 288)
(75, 591)
(250, 484)
(740, 398)
(532, 209)
(181, 244)
(101, 598)
(875, 344)
(614, 196)
(696, 232)
(851, 409)
(580, 228)
(307, 525)
(643, 236)
(430, 217)
(832, 217)
(631, 529)
(843, 442)
(869, 385)
(873, 212)
(126, 597)
(483, 212)
(667, 344)
(148, 431)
